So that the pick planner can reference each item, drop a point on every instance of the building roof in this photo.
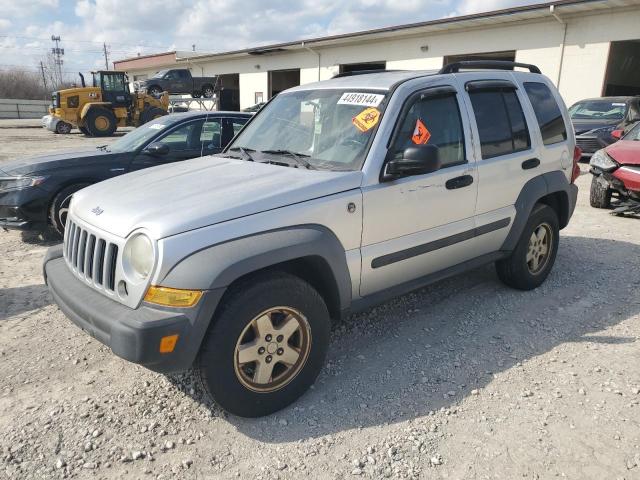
(496, 17)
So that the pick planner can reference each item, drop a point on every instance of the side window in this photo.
(186, 137)
(501, 123)
(547, 112)
(433, 120)
(238, 123)
(183, 74)
(211, 135)
(113, 83)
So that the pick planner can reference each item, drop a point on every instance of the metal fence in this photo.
(16, 108)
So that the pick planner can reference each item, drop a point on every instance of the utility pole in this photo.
(57, 55)
(106, 55)
(44, 79)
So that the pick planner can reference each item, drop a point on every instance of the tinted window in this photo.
(501, 123)
(211, 135)
(113, 83)
(547, 113)
(434, 121)
(183, 74)
(186, 137)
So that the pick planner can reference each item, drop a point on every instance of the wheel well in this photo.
(70, 183)
(315, 271)
(559, 201)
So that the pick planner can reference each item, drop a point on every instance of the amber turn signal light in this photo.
(168, 343)
(172, 297)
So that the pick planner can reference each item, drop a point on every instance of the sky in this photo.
(131, 27)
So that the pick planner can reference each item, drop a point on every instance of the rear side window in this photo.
(501, 123)
(434, 120)
(547, 112)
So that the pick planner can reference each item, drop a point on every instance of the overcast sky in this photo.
(130, 27)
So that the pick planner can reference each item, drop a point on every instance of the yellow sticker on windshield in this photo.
(367, 119)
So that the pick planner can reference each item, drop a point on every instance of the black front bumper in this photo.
(132, 334)
(24, 209)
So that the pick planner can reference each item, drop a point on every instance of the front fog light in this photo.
(138, 256)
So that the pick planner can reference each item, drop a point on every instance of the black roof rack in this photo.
(487, 64)
(362, 72)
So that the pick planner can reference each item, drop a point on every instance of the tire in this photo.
(287, 299)
(57, 211)
(207, 91)
(155, 91)
(599, 196)
(84, 130)
(151, 113)
(527, 267)
(100, 122)
(196, 94)
(63, 128)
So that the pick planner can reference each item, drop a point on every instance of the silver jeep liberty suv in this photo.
(336, 196)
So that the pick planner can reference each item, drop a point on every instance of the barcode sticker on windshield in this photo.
(361, 99)
(618, 104)
(157, 126)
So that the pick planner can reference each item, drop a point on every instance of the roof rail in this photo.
(487, 64)
(362, 72)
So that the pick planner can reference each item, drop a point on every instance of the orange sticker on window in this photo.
(421, 133)
(366, 119)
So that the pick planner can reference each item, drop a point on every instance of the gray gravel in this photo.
(464, 379)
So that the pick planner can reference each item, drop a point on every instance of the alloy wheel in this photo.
(539, 249)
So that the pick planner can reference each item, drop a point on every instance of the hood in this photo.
(29, 165)
(172, 199)
(625, 152)
(584, 126)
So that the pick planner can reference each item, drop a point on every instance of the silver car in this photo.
(336, 196)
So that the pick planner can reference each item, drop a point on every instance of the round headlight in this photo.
(138, 256)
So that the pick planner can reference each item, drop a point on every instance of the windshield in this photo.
(138, 137)
(160, 74)
(598, 110)
(634, 133)
(331, 129)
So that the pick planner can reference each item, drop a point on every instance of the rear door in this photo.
(417, 225)
(506, 153)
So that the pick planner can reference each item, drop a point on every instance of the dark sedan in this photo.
(596, 119)
(35, 192)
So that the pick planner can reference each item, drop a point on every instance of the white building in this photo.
(588, 48)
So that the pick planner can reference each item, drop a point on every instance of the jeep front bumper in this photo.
(132, 334)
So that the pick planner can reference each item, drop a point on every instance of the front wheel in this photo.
(266, 345)
(599, 195)
(207, 91)
(101, 122)
(155, 91)
(63, 128)
(60, 207)
(531, 261)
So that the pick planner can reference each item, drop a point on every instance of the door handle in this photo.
(459, 182)
(531, 163)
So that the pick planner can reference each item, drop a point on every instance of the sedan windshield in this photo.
(598, 110)
(138, 137)
(325, 129)
(160, 74)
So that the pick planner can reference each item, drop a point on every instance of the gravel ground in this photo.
(463, 379)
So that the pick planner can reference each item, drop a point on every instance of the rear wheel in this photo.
(100, 122)
(63, 127)
(531, 261)
(599, 195)
(60, 207)
(207, 91)
(151, 113)
(266, 345)
(196, 94)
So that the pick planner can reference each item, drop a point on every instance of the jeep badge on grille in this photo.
(97, 210)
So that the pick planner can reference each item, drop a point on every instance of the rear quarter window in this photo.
(547, 112)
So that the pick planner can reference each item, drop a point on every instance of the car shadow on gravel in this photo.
(18, 300)
(47, 238)
(430, 349)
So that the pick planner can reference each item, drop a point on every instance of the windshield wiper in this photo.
(244, 151)
(298, 157)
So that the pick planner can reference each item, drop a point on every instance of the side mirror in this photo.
(617, 134)
(157, 149)
(416, 160)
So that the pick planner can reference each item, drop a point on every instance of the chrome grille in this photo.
(90, 257)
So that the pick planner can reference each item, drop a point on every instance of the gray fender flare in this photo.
(535, 189)
(219, 265)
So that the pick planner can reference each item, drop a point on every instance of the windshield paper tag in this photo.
(367, 119)
(157, 126)
(361, 99)
(421, 134)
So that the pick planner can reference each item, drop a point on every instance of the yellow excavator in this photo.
(99, 110)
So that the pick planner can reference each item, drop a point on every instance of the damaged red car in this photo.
(616, 174)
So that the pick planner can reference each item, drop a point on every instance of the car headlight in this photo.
(18, 183)
(138, 257)
(603, 161)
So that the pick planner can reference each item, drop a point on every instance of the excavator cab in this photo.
(114, 87)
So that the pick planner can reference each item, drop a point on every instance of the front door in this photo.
(115, 90)
(421, 224)
(184, 141)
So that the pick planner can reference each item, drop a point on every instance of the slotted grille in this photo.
(89, 256)
(588, 144)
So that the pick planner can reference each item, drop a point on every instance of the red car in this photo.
(616, 174)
